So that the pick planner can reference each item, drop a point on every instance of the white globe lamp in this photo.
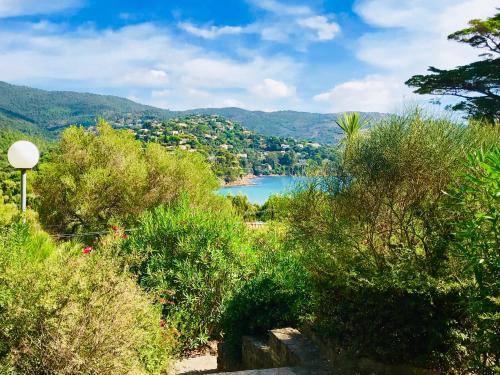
(23, 155)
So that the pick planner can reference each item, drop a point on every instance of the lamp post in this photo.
(23, 155)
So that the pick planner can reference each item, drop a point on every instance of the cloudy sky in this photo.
(316, 55)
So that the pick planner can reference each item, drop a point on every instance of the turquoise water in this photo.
(264, 187)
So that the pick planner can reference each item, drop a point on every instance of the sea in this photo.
(263, 187)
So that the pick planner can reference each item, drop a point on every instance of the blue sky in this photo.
(322, 56)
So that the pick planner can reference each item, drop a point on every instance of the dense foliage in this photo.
(476, 84)
(93, 179)
(275, 293)
(64, 312)
(390, 249)
(474, 209)
(380, 247)
(191, 261)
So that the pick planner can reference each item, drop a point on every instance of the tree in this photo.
(93, 179)
(478, 83)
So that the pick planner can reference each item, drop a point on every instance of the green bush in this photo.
(378, 243)
(474, 212)
(273, 208)
(91, 180)
(275, 293)
(8, 212)
(64, 312)
(243, 207)
(192, 261)
(417, 323)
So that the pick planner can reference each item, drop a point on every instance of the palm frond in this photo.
(351, 124)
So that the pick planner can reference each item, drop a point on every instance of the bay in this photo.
(263, 187)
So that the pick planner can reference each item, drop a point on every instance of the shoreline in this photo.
(248, 180)
(243, 181)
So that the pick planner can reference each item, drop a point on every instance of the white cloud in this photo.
(411, 36)
(279, 24)
(282, 9)
(210, 32)
(374, 93)
(14, 8)
(420, 37)
(145, 78)
(274, 33)
(325, 30)
(444, 16)
(271, 88)
(231, 103)
(143, 60)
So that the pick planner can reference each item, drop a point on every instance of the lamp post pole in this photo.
(23, 190)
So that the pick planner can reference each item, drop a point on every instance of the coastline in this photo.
(243, 181)
(248, 180)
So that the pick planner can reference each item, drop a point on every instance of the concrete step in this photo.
(291, 348)
(256, 353)
(284, 351)
(268, 371)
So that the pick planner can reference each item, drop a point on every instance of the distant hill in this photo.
(50, 111)
(232, 150)
(316, 127)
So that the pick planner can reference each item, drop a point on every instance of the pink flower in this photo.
(124, 235)
(87, 249)
(115, 228)
(162, 323)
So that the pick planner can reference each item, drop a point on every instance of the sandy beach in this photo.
(243, 181)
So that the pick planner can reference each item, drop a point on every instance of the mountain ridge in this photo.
(54, 110)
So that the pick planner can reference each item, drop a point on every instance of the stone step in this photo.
(284, 351)
(291, 348)
(268, 371)
(256, 354)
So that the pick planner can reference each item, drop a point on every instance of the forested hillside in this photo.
(54, 110)
(231, 149)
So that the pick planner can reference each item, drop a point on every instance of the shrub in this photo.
(378, 243)
(395, 322)
(275, 293)
(243, 207)
(92, 179)
(65, 312)
(474, 209)
(8, 211)
(191, 260)
(272, 209)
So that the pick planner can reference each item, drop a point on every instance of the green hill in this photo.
(316, 127)
(231, 149)
(53, 110)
